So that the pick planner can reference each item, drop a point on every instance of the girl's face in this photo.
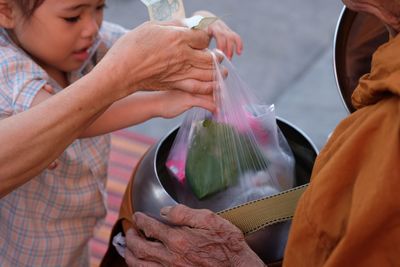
(59, 33)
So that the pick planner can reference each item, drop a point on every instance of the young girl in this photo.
(45, 46)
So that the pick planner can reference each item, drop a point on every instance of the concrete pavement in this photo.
(287, 58)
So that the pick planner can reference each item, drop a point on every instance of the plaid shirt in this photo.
(49, 220)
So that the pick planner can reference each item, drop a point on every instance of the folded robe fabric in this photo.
(350, 214)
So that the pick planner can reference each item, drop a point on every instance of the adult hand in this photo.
(161, 57)
(199, 238)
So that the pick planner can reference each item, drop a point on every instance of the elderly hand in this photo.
(198, 238)
(160, 57)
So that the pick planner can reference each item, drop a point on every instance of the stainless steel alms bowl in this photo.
(154, 188)
(357, 37)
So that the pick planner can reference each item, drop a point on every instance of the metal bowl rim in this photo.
(335, 69)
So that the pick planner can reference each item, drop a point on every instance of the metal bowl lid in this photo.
(357, 36)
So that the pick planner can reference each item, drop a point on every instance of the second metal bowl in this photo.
(357, 37)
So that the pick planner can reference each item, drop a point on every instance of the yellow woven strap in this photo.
(255, 215)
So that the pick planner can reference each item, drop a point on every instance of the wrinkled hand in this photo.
(199, 238)
(161, 57)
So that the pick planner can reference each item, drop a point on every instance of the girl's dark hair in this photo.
(28, 6)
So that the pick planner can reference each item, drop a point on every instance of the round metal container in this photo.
(154, 188)
(357, 36)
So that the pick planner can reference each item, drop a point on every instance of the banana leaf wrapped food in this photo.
(218, 155)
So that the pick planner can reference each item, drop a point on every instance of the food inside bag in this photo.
(214, 161)
(235, 155)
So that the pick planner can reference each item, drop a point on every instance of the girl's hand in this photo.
(174, 103)
(227, 40)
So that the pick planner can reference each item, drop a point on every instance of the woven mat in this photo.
(126, 149)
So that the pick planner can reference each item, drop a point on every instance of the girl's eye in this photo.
(72, 19)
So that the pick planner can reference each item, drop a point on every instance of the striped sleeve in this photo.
(20, 81)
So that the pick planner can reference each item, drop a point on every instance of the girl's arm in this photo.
(143, 106)
(137, 108)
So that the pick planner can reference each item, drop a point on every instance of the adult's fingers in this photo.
(151, 227)
(185, 216)
(205, 59)
(175, 240)
(197, 39)
(141, 248)
(202, 59)
(197, 74)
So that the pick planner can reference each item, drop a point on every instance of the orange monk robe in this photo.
(350, 214)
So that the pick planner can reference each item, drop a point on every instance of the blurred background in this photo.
(287, 57)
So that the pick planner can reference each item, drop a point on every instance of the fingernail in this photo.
(164, 211)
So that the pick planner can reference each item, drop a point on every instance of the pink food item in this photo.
(253, 124)
(177, 168)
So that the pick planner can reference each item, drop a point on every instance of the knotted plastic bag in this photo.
(235, 155)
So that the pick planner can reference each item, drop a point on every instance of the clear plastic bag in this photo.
(233, 156)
